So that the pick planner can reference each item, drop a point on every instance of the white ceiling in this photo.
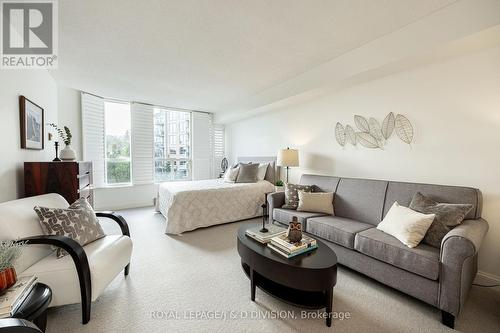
(216, 55)
(207, 54)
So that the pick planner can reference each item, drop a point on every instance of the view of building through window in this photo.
(172, 145)
(117, 142)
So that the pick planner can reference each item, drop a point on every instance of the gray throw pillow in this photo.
(248, 173)
(447, 217)
(292, 195)
(77, 222)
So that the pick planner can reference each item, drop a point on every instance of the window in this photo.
(117, 143)
(172, 145)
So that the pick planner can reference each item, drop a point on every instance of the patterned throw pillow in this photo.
(292, 196)
(77, 222)
(448, 216)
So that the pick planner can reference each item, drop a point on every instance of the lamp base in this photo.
(264, 230)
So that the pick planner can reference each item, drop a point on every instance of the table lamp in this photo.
(288, 158)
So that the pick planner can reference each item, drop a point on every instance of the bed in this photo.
(189, 205)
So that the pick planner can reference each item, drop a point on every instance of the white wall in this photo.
(39, 87)
(454, 107)
(69, 106)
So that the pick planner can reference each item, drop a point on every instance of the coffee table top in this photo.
(321, 258)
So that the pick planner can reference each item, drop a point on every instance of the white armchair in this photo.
(78, 277)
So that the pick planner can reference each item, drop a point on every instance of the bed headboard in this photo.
(271, 169)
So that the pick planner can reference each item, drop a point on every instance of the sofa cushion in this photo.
(321, 202)
(77, 222)
(336, 229)
(107, 257)
(447, 217)
(360, 199)
(422, 260)
(292, 194)
(404, 192)
(285, 216)
(320, 183)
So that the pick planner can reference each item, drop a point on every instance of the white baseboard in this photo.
(487, 279)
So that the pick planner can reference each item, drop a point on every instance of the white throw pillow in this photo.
(262, 171)
(406, 224)
(316, 202)
(231, 175)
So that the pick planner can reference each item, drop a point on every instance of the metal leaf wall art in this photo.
(373, 135)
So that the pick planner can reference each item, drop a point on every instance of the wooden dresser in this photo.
(72, 180)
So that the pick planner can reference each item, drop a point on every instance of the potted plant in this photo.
(279, 186)
(67, 153)
(9, 252)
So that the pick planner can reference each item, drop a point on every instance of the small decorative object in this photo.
(278, 186)
(32, 124)
(56, 146)
(288, 158)
(372, 134)
(224, 165)
(264, 215)
(294, 230)
(67, 154)
(9, 252)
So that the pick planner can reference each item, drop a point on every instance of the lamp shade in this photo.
(288, 157)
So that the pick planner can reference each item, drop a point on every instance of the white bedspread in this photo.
(193, 204)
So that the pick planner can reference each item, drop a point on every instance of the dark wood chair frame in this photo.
(79, 257)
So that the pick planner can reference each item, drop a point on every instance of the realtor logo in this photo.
(29, 36)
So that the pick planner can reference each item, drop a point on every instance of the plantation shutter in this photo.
(202, 150)
(142, 141)
(93, 135)
(218, 148)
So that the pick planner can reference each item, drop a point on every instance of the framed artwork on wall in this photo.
(32, 124)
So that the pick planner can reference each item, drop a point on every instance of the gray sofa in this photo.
(441, 277)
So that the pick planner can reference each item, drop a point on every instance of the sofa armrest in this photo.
(77, 253)
(275, 200)
(458, 259)
(118, 219)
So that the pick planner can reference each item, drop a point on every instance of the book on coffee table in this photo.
(282, 242)
(15, 295)
(265, 237)
(290, 255)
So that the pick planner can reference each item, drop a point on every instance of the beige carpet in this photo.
(177, 280)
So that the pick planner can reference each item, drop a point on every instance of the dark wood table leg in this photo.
(252, 284)
(329, 303)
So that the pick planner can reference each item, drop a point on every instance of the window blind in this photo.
(93, 135)
(201, 146)
(142, 143)
(218, 148)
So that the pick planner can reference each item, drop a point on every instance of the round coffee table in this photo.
(306, 280)
(34, 307)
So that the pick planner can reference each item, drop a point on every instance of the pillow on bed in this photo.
(231, 174)
(248, 173)
(262, 171)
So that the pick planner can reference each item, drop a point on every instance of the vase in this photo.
(8, 278)
(68, 154)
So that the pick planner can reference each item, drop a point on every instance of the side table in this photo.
(34, 307)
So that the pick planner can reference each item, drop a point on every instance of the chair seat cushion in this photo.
(285, 216)
(107, 257)
(336, 229)
(422, 259)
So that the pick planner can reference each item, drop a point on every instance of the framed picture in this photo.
(32, 124)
